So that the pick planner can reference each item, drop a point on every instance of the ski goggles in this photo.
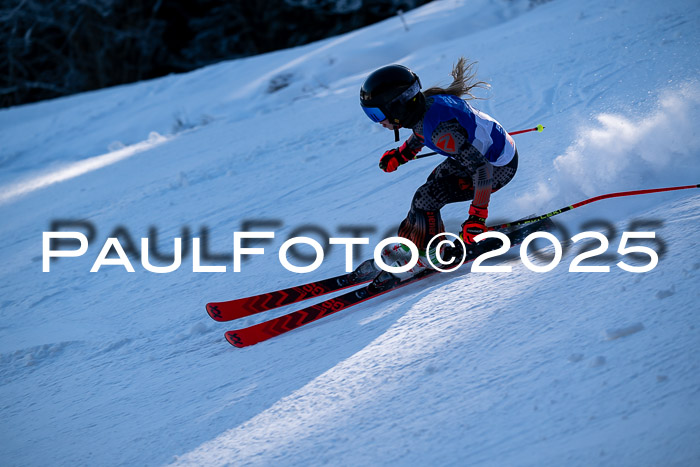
(374, 114)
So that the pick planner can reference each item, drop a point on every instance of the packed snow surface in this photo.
(522, 368)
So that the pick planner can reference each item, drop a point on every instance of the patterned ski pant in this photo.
(450, 182)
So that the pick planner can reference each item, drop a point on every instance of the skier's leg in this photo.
(448, 183)
(423, 221)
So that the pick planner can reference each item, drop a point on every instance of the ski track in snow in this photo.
(116, 368)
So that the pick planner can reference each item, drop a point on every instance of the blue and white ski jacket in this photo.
(472, 138)
(482, 131)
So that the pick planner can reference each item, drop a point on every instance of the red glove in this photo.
(393, 158)
(475, 224)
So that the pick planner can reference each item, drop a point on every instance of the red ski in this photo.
(274, 327)
(382, 284)
(242, 307)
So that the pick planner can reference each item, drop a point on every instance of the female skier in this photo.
(481, 155)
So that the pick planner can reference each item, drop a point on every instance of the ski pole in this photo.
(591, 200)
(538, 128)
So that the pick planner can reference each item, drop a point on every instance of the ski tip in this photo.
(234, 339)
(214, 312)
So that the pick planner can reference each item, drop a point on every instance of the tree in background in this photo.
(54, 48)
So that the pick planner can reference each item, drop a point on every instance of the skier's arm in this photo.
(483, 184)
(452, 138)
(415, 143)
(478, 211)
(393, 158)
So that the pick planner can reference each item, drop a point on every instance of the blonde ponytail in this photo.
(464, 80)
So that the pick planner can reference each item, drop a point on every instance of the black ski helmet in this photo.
(394, 90)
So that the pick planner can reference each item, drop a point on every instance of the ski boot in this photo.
(397, 255)
(384, 281)
(365, 271)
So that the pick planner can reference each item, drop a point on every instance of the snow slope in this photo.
(520, 368)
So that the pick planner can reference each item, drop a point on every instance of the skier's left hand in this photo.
(475, 224)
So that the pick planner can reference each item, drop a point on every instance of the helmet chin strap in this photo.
(396, 133)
